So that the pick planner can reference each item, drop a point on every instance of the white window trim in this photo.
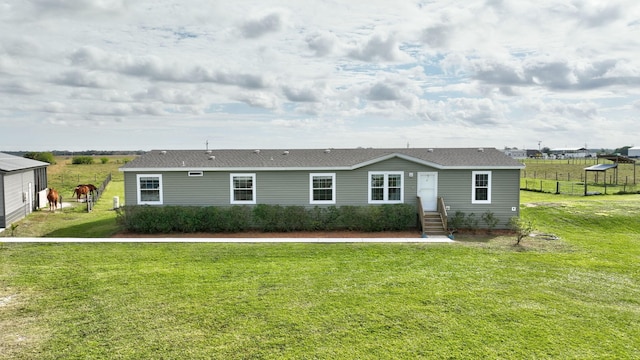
(386, 188)
(138, 190)
(333, 188)
(254, 195)
(473, 187)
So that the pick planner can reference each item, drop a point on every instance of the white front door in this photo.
(428, 190)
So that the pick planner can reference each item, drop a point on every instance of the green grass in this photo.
(573, 298)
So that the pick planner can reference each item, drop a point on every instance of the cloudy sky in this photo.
(129, 75)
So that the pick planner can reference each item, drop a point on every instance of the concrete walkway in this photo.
(434, 239)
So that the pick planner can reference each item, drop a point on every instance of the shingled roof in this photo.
(317, 159)
(12, 163)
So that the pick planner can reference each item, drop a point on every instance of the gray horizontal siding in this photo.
(14, 185)
(455, 187)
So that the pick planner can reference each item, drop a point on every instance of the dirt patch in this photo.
(547, 204)
(292, 234)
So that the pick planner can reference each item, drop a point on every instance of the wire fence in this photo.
(568, 177)
(577, 188)
(91, 200)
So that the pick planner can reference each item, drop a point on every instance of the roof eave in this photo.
(305, 168)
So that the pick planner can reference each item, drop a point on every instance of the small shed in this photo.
(599, 168)
(634, 152)
(23, 184)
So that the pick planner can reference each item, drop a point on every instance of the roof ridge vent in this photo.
(163, 152)
(326, 151)
(481, 149)
(256, 151)
(212, 157)
(208, 151)
(429, 150)
(286, 152)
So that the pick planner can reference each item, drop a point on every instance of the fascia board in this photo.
(231, 169)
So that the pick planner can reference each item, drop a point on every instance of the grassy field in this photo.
(573, 298)
(65, 176)
(569, 175)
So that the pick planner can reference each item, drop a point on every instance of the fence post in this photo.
(558, 187)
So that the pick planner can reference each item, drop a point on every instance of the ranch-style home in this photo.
(23, 184)
(437, 181)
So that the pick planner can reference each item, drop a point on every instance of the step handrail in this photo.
(442, 209)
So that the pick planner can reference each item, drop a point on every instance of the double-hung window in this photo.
(243, 188)
(322, 188)
(481, 187)
(386, 187)
(149, 189)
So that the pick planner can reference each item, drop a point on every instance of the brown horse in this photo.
(81, 190)
(52, 197)
(84, 189)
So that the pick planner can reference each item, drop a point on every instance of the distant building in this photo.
(634, 152)
(564, 153)
(515, 153)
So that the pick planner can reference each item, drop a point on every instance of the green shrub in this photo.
(348, 218)
(235, 219)
(104, 160)
(521, 227)
(398, 217)
(268, 218)
(490, 219)
(471, 222)
(82, 160)
(457, 221)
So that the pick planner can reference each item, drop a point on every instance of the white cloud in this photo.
(378, 48)
(322, 43)
(257, 27)
(85, 79)
(388, 71)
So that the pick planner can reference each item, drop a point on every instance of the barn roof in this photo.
(298, 159)
(618, 159)
(12, 163)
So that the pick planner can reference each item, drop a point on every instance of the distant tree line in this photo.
(30, 154)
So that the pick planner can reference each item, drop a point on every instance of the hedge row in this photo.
(267, 218)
